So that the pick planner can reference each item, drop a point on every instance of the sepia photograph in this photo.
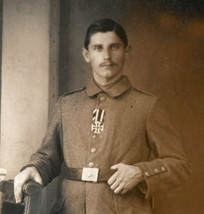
(102, 107)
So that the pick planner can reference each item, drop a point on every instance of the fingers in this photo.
(125, 179)
(37, 178)
(112, 179)
(124, 191)
(30, 173)
(115, 184)
(116, 166)
(19, 181)
(115, 181)
(119, 188)
(18, 192)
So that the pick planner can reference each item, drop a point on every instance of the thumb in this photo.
(116, 166)
(38, 179)
(19, 181)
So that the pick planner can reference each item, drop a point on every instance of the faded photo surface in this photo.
(41, 59)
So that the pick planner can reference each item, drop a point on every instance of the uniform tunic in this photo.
(134, 128)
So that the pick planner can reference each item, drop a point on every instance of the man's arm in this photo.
(45, 164)
(169, 168)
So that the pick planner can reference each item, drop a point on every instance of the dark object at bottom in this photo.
(12, 208)
(31, 202)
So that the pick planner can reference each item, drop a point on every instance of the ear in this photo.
(128, 50)
(85, 54)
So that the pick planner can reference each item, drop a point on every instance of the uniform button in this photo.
(94, 136)
(146, 174)
(91, 164)
(102, 99)
(93, 150)
(156, 170)
(163, 168)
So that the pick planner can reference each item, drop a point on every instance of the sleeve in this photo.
(49, 156)
(170, 166)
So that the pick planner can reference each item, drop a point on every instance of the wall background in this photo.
(25, 68)
(167, 39)
(30, 44)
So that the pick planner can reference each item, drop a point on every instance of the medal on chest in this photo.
(97, 125)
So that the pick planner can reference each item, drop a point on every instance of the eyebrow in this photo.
(116, 43)
(96, 45)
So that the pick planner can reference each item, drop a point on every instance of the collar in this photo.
(115, 90)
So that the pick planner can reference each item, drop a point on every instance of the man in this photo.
(103, 136)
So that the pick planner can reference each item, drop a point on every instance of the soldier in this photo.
(101, 138)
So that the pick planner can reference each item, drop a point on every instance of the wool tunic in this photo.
(97, 128)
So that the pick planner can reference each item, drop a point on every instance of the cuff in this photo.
(41, 169)
(150, 170)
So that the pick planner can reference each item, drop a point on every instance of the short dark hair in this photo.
(105, 25)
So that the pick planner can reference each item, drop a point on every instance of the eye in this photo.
(115, 47)
(98, 48)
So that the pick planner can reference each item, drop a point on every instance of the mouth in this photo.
(109, 64)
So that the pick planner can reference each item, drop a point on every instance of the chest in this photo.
(104, 127)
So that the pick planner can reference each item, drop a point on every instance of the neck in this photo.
(106, 81)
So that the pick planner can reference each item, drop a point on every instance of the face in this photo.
(106, 54)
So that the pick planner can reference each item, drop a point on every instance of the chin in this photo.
(108, 74)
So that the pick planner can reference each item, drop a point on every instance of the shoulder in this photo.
(144, 95)
(143, 99)
(73, 92)
(139, 90)
(73, 96)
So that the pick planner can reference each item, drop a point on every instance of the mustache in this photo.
(109, 63)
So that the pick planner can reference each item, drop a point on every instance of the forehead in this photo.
(106, 38)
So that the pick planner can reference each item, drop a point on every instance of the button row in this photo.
(156, 170)
(102, 99)
(94, 136)
(93, 150)
(91, 164)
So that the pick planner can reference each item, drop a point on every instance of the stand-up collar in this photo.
(114, 90)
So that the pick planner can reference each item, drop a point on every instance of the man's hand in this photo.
(125, 178)
(30, 173)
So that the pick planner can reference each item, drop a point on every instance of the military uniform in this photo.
(97, 128)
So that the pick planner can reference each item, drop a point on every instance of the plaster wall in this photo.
(29, 82)
(25, 79)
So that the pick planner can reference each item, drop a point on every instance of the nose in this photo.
(106, 54)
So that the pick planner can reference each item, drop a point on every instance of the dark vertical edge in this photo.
(54, 38)
(64, 44)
